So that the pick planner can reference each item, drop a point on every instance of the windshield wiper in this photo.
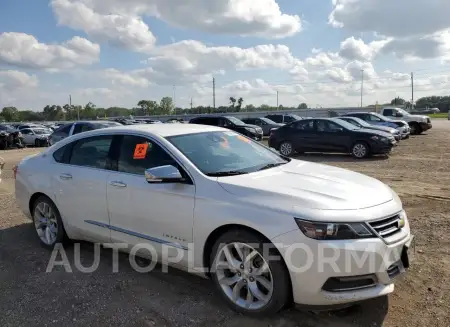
(272, 165)
(226, 173)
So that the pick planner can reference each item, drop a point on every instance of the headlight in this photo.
(334, 231)
(380, 138)
(251, 130)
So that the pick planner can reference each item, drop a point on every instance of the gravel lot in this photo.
(418, 170)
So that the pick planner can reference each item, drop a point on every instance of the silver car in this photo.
(78, 127)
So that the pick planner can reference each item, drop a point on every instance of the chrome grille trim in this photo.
(386, 227)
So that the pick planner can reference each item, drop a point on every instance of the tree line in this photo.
(90, 111)
(166, 106)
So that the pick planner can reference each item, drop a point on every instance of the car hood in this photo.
(373, 132)
(301, 184)
(382, 128)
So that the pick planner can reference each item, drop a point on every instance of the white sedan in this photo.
(267, 229)
(36, 136)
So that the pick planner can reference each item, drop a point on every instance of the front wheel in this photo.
(416, 129)
(47, 222)
(248, 281)
(360, 150)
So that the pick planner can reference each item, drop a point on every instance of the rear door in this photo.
(79, 180)
(332, 137)
(303, 135)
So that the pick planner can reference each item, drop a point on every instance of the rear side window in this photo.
(80, 128)
(276, 118)
(388, 112)
(92, 152)
(306, 126)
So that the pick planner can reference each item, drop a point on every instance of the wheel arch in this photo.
(34, 197)
(215, 234)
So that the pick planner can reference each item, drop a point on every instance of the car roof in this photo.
(162, 130)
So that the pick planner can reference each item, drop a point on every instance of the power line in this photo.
(362, 86)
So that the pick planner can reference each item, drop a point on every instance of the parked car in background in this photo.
(395, 132)
(79, 127)
(417, 123)
(232, 123)
(36, 136)
(283, 119)
(374, 118)
(330, 135)
(30, 125)
(266, 124)
(225, 204)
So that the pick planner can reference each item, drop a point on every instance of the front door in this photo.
(156, 214)
(80, 188)
(304, 137)
(333, 137)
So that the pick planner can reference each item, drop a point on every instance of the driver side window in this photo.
(138, 153)
(374, 118)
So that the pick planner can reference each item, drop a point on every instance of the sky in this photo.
(116, 52)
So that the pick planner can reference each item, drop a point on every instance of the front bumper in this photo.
(426, 126)
(312, 264)
(382, 148)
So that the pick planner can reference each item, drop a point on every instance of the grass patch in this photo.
(439, 115)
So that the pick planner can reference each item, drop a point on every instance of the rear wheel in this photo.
(47, 222)
(360, 150)
(248, 281)
(286, 148)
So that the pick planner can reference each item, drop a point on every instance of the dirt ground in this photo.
(418, 169)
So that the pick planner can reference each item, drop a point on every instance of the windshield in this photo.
(358, 122)
(296, 117)
(345, 124)
(403, 112)
(267, 120)
(225, 153)
(235, 121)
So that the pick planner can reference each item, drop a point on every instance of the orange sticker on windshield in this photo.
(140, 151)
(243, 138)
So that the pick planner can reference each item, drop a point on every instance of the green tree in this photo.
(10, 113)
(239, 104)
(398, 101)
(232, 102)
(250, 108)
(302, 106)
(166, 105)
(149, 107)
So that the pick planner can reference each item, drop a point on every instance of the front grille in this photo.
(387, 227)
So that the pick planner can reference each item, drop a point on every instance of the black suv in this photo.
(283, 119)
(253, 131)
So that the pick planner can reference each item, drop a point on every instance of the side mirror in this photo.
(163, 174)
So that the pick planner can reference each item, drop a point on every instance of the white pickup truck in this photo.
(418, 123)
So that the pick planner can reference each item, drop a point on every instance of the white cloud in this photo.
(128, 32)
(399, 18)
(120, 23)
(324, 59)
(357, 49)
(339, 75)
(12, 80)
(24, 50)
(356, 68)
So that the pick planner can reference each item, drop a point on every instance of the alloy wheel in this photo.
(359, 150)
(286, 149)
(244, 276)
(46, 223)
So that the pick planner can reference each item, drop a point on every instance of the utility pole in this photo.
(362, 86)
(214, 93)
(277, 101)
(191, 103)
(412, 91)
(173, 97)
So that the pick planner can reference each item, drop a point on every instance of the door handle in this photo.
(65, 176)
(117, 184)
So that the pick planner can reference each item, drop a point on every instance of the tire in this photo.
(269, 299)
(37, 143)
(416, 129)
(360, 150)
(47, 222)
(286, 148)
